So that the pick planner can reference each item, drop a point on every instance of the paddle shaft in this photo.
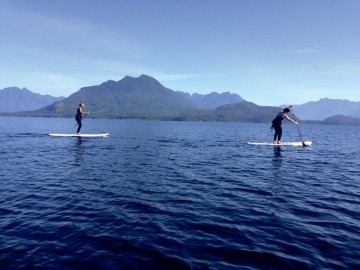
(297, 125)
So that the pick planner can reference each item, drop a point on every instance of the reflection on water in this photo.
(79, 151)
(277, 162)
(277, 152)
(278, 156)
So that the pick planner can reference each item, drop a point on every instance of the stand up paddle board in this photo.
(80, 135)
(282, 143)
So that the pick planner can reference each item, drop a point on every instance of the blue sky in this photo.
(270, 52)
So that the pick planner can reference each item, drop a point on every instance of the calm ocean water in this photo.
(177, 195)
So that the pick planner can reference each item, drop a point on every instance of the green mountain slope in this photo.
(142, 97)
(245, 112)
(145, 98)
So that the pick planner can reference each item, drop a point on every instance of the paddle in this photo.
(297, 125)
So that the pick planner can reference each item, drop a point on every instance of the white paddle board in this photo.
(282, 143)
(80, 135)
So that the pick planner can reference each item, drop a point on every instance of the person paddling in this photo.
(79, 116)
(276, 123)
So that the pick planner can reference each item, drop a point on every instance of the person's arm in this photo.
(83, 112)
(288, 118)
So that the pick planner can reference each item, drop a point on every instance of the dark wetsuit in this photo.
(78, 118)
(276, 124)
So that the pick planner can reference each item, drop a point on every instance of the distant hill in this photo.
(245, 112)
(14, 99)
(240, 112)
(341, 120)
(145, 98)
(142, 97)
(324, 108)
(355, 114)
(212, 100)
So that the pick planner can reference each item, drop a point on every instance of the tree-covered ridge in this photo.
(145, 98)
(142, 97)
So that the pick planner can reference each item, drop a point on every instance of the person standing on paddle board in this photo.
(79, 116)
(276, 123)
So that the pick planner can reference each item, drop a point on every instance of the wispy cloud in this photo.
(68, 35)
(302, 51)
(55, 84)
(342, 68)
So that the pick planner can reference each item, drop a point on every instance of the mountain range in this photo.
(324, 108)
(212, 100)
(14, 99)
(145, 98)
(142, 97)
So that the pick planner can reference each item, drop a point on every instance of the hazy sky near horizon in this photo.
(270, 52)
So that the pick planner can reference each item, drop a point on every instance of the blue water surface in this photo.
(177, 195)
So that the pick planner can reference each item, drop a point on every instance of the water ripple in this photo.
(173, 195)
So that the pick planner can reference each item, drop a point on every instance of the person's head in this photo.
(286, 110)
(82, 105)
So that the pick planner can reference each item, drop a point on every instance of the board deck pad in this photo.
(282, 143)
(80, 135)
